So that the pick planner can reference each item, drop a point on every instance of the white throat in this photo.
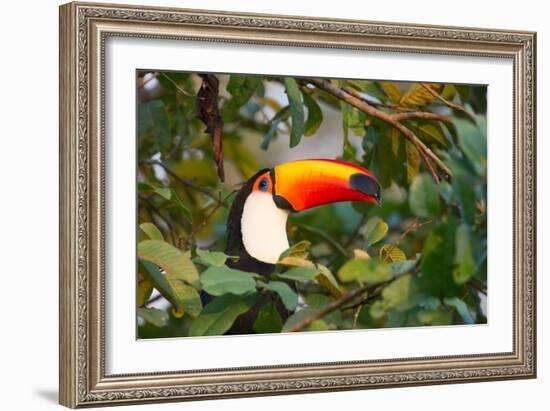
(263, 227)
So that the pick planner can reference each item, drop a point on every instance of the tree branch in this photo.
(208, 217)
(329, 308)
(153, 209)
(152, 300)
(424, 115)
(427, 155)
(176, 85)
(447, 102)
(190, 183)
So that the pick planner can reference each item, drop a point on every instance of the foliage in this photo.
(418, 259)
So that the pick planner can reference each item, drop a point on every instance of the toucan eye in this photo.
(263, 185)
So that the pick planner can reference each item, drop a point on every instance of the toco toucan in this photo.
(256, 226)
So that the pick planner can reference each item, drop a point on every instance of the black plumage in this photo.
(235, 244)
(245, 322)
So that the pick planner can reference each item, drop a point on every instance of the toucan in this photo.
(256, 225)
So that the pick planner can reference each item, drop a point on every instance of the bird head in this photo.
(259, 213)
(303, 184)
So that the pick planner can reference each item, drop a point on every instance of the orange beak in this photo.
(303, 184)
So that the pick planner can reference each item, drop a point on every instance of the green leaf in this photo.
(434, 317)
(327, 280)
(352, 119)
(463, 185)
(377, 309)
(430, 132)
(177, 201)
(320, 301)
(318, 325)
(153, 120)
(413, 161)
(314, 115)
(364, 270)
(298, 250)
(424, 196)
(449, 91)
(437, 264)
(154, 316)
(164, 192)
(390, 253)
(224, 280)
(170, 259)
(473, 141)
(295, 262)
(160, 282)
(173, 288)
(392, 158)
(216, 258)
(219, 315)
(242, 88)
(144, 288)
(392, 91)
(417, 95)
(168, 194)
(372, 88)
(397, 292)
(461, 308)
(302, 274)
(296, 110)
(268, 320)
(375, 230)
(287, 294)
(277, 119)
(187, 298)
(401, 267)
(151, 231)
(298, 317)
(369, 144)
(465, 265)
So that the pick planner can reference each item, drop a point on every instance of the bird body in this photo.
(256, 226)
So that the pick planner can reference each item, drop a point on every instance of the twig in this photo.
(151, 207)
(176, 85)
(413, 226)
(356, 316)
(427, 155)
(328, 309)
(152, 300)
(424, 115)
(208, 217)
(405, 113)
(448, 103)
(189, 183)
(477, 285)
(392, 106)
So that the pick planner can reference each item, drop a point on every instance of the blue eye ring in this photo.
(263, 185)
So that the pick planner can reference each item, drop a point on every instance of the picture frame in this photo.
(85, 28)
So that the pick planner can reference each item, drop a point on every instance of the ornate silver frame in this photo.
(83, 30)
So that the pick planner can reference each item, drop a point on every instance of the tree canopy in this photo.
(418, 259)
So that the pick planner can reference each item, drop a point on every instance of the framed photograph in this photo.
(259, 204)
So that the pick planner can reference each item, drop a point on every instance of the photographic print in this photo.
(256, 188)
(271, 204)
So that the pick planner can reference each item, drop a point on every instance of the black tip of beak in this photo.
(366, 185)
